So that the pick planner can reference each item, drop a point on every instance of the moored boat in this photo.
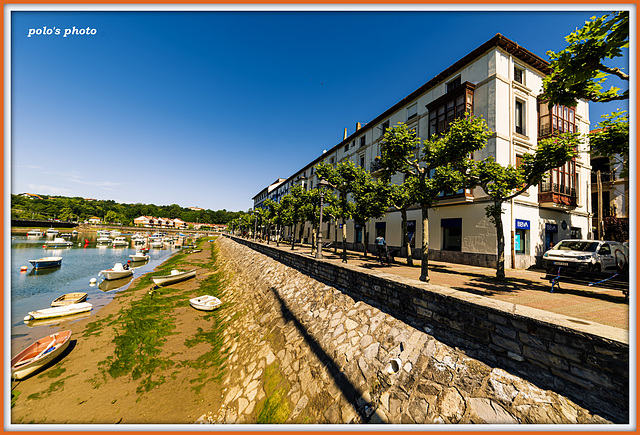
(103, 240)
(156, 244)
(120, 241)
(64, 310)
(43, 262)
(139, 256)
(39, 354)
(34, 233)
(173, 277)
(68, 299)
(52, 232)
(103, 233)
(57, 242)
(205, 303)
(116, 272)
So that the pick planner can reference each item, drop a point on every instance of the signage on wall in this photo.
(522, 224)
(551, 228)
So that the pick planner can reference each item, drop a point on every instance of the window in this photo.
(362, 141)
(331, 160)
(453, 84)
(384, 127)
(519, 117)
(362, 160)
(520, 242)
(560, 119)
(412, 112)
(450, 106)
(451, 234)
(518, 74)
(346, 148)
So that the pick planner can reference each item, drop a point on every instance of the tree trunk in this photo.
(497, 220)
(278, 235)
(424, 270)
(405, 236)
(365, 239)
(335, 236)
(313, 237)
(344, 241)
(293, 235)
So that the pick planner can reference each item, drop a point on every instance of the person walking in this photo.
(381, 246)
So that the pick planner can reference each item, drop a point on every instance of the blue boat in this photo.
(43, 262)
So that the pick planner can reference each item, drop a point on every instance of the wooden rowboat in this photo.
(69, 298)
(65, 310)
(39, 354)
(175, 276)
(205, 303)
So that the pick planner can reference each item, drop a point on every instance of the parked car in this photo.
(587, 256)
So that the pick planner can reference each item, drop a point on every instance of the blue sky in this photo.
(206, 108)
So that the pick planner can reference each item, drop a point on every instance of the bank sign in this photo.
(522, 224)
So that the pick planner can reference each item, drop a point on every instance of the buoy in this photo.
(23, 269)
(93, 280)
(44, 246)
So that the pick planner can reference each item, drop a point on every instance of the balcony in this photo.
(376, 168)
(605, 177)
(557, 196)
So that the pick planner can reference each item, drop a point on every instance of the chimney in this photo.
(358, 126)
(345, 134)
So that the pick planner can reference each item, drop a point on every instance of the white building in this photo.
(499, 81)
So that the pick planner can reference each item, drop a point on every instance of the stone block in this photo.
(596, 377)
(530, 340)
(547, 359)
(566, 352)
(506, 344)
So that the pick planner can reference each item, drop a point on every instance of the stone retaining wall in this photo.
(585, 362)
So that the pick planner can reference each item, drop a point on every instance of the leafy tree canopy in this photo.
(578, 71)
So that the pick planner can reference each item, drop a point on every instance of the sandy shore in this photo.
(78, 389)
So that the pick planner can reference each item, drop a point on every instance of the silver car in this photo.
(586, 256)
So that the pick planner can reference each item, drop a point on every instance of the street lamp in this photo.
(322, 183)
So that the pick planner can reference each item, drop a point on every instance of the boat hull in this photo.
(68, 299)
(65, 310)
(39, 354)
(44, 262)
(205, 303)
(171, 279)
(116, 274)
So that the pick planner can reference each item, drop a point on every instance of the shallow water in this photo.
(34, 290)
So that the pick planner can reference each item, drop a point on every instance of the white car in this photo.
(586, 256)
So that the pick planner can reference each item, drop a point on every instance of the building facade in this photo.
(501, 82)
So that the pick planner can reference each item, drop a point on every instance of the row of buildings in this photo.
(501, 82)
(154, 222)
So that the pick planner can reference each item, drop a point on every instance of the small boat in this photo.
(64, 310)
(139, 256)
(57, 242)
(114, 233)
(103, 240)
(156, 244)
(52, 232)
(43, 262)
(173, 277)
(116, 272)
(103, 233)
(205, 303)
(74, 233)
(66, 235)
(39, 354)
(120, 241)
(36, 233)
(69, 298)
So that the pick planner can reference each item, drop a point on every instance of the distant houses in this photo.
(154, 222)
(94, 220)
(31, 195)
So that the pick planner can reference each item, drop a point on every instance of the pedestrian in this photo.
(381, 246)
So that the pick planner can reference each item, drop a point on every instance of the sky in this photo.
(205, 108)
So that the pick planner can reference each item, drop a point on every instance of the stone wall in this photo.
(585, 362)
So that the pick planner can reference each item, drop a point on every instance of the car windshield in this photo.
(574, 245)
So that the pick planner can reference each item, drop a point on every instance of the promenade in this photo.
(529, 288)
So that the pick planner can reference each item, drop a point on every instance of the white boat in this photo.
(139, 256)
(69, 298)
(102, 233)
(116, 272)
(156, 244)
(36, 233)
(57, 242)
(174, 277)
(103, 240)
(39, 354)
(74, 233)
(114, 233)
(205, 303)
(52, 232)
(43, 262)
(120, 241)
(65, 310)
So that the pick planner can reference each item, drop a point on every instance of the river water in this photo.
(34, 290)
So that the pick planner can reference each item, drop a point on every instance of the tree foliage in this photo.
(579, 71)
(611, 139)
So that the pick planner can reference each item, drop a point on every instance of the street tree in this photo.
(579, 71)
(342, 178)
(401, 198)
(370, 200)
(437, 169)
(610, 139)
(502, 183)
(292, 203)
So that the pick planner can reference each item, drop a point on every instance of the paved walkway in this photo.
(530, 288)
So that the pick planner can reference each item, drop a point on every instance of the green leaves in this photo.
(578, 71)
(611, 139)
